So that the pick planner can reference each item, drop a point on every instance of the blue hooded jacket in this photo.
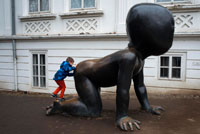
(64, 71)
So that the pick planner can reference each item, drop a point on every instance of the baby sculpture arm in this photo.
(140, 90)
(122, 100)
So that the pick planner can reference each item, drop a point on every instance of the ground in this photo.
(24, 113)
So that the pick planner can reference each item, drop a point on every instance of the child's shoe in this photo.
(61, 99)
(54, 95)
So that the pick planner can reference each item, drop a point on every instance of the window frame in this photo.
(170, 67)
(39, 10)
(39, 75)
(82, 6)
(172, 2)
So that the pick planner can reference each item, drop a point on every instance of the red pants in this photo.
(61, 87)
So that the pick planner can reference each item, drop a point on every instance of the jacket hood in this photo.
(64, 62)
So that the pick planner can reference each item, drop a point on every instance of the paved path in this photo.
(25, 114)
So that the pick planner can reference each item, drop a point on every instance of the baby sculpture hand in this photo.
(126, 123)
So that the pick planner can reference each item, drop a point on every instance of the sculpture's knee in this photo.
(123, 93)
(53, 109)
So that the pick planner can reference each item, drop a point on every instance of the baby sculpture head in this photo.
(150, 29)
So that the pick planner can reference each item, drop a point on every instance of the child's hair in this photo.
(70, 59)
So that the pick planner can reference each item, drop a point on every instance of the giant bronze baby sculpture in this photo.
(150, 29)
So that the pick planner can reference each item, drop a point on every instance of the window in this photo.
(82, 4)
(38, 6)
(39, 70)
(171, 66)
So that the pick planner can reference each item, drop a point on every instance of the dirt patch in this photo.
(22, 113)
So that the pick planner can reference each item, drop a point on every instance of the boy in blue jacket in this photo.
(61, 74)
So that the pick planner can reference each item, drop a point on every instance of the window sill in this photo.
(82, 14)
(36, 17)
(39, 88)
(176, 8)
(171, 79)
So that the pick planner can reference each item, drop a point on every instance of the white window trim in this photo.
(35, 16)
(31, 72)
(81, 12)
(40, 12)
(82, 7)
(175, 4)
(181, 6)
(183, 66)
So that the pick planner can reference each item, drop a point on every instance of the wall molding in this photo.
(183, 8)
(37, 17)
(87, 36)
(82, 14)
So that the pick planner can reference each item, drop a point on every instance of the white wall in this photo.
(58, 51)
(6, 66)
(191, 48)
(5, 15)
(80, 49)
(106, 23)
(112, 21)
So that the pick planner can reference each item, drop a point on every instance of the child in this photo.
(61, 74)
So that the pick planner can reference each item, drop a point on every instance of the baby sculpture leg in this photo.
(88, 104)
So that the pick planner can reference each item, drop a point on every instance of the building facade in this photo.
(44, 33)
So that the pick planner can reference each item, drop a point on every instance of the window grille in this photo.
(172, 66)
(39, 70)
(82, 4)
(38, 6)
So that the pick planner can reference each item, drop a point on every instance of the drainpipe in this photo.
(14, 45)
